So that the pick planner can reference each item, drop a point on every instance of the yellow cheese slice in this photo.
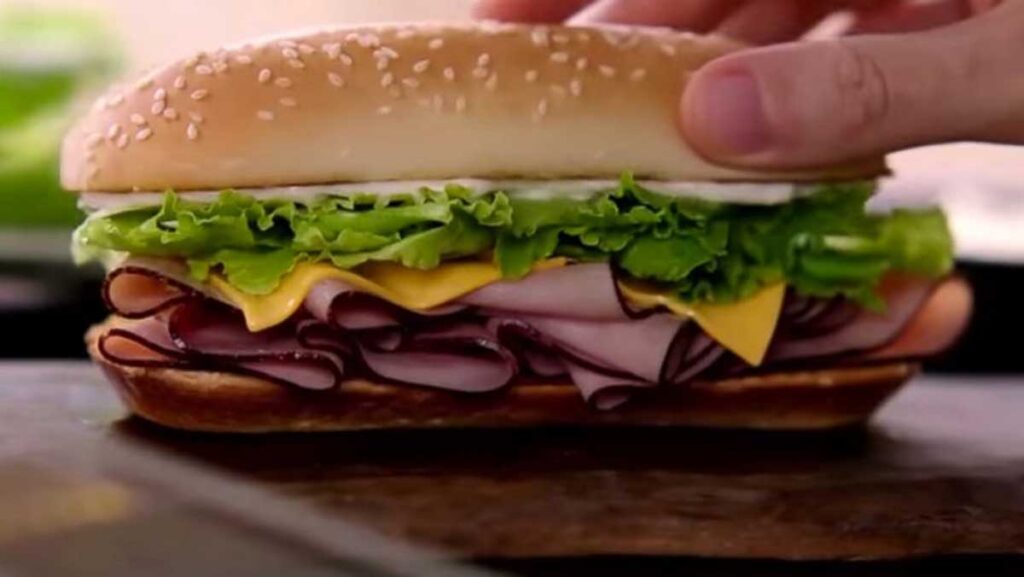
(745, 327)
(410, 288)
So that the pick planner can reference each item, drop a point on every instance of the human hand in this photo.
(913, 73)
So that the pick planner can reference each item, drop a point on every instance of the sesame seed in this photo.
(542, 108)
(480, 73)
(296, 64)
(94, 140)
(243, 59)
(220, 66)
(668, 49)
(144, 84)
(421, 66)
(265, 115)
(204, 70)
(199, 94)
(113, 131)
(190, 61)
(332, 50)
(560, 57)
(170, 114)
(638, 75)
(122, 141)
(607, 71)
(180, 83)
(345, 59)
(264, 76)
(196, 117)
(405, 34)
(283, 82)
(160, 94)
(385, 52)
(531, 76)
(158, 107)
(382, 64)
(352, 37)
(289, 102)
(582, 63)
(384, 110)
(192, 132)
(539, 36)
(144, 134)
(436, 44)
(137, 119)
(460, 103)
(387, 80)
(612, 38)
(576, 87)
(290, 53)
(306, 49)
(483, 60)
(335, 79)
(115, 100)
(492, 82)
(449, 74)
(411, 82)
(560, 39)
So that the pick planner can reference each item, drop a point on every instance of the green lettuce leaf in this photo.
(824, 243)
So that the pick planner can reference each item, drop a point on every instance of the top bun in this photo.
(406, 102)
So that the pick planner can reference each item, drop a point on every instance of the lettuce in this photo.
(823, 243)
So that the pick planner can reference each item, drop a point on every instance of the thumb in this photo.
(815, 103)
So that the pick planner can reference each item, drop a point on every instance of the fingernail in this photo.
(727, 113)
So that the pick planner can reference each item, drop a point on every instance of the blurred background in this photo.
(55, 53)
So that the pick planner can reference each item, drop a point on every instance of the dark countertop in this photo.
(939, 474)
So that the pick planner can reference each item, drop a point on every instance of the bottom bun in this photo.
(222, 402)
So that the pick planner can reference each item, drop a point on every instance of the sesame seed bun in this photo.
(406, 103)
(220, 402)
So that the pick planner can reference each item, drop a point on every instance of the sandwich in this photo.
(483, 225)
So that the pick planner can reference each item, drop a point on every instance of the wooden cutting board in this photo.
(940, 472)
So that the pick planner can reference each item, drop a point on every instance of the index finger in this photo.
(527, 10)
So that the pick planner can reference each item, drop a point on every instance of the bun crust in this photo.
(218, 402)
(407, 103)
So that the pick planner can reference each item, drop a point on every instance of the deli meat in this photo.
(543, 326)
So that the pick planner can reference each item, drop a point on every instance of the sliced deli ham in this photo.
(862, 330)
(464, 358)
(544, 325)
(583, 291)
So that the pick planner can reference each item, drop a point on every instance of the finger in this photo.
(910, 17)
(811, 104)
(527, 10)
(693, 15)
(772, 21)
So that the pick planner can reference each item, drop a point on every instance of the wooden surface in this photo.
(940, 472)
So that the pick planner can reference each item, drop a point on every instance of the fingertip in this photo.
(722, 114)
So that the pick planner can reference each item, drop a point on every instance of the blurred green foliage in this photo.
(48, 60)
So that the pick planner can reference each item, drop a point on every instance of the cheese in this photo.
(745, 327)
(410, 288)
